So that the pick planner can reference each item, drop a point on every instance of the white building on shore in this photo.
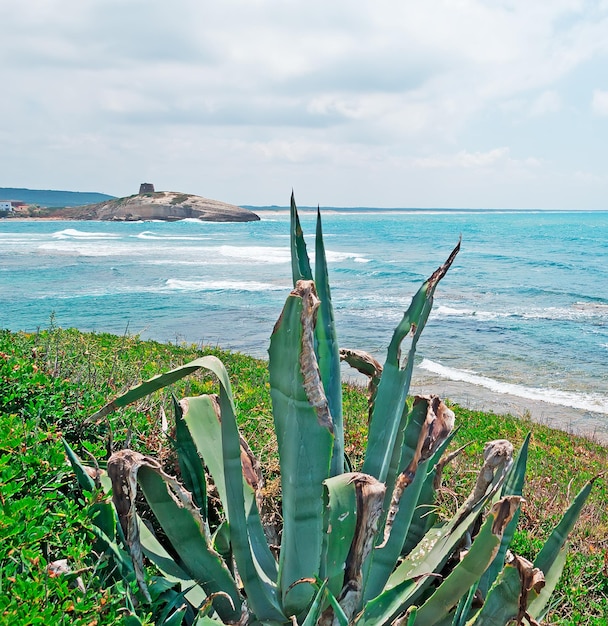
(6, 205)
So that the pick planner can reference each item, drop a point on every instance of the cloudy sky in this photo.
(426, 103)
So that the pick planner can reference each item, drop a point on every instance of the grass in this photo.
(52, 380)
(180, 198)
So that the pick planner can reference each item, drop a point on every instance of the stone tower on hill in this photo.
(146, 188)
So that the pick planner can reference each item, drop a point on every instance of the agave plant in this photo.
(356, 548)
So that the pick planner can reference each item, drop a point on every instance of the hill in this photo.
(157, 205)
(52, 199)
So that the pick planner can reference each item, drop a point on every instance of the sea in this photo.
(519, 324)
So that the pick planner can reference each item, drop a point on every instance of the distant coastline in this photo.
(168, 206)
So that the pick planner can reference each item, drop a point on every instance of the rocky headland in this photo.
(168, 206)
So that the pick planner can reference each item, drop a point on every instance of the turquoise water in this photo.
(523, 313)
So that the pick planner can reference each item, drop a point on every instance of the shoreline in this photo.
(577, 422)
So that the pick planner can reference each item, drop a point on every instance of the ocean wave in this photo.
(586, 401)
(195, 220)
(223, 285)
(270, 254)
(73, 233)
(446, 311)
(576, 311)
(78, 248)
(148, 234)
(258, 254)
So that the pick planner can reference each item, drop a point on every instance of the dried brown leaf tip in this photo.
(438, 424)
(504, 510)
(309, 366)
(531, 579)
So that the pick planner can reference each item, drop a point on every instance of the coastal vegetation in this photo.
(53, 380)
(397, 445)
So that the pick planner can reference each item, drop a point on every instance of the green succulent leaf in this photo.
(300, 263)
(513, 486)
(149, 386)
(384, 558)
(188, 538)
(551, 559)
(305, 441)
(396, 378)
(473, 565)
(261, 590)
(328, 351)
(190, 464)
(201, 415)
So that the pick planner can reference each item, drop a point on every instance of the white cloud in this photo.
(546, 102)
(475, 160)
(359, 86)
(599, 104)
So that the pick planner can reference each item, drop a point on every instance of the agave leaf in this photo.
(409, 619)
(508, 597)
(421, 441)
(367, 365)
(560, 533)
(150, 386)
(180, 519)
(437, 545)
(176, 618)
(333, 615)
(328, 351)
(502, 601)
(464, 607)
(261, 590)
(84, 479)
(550, 560)
(316, 608)
(395, 381)
(101, 512)
(469, 570)
(300, 263)
(383, 607)
(424, 516)
(369, 498)
(201, 415)
(121, 557)
(205, 620)
(513, 486)
(537, 607)
(190, 464)
(155, 552)
(305, 440)
(340, 523)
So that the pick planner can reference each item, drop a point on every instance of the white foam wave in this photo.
(275, 254)
(598, 307)
(78, 248)
(574, 312)
(73, 233)
(195, 220)
(257, 254)
(148, 234)
(446, 311)
(585, 401)
(568, 313)
(222, 285)
(338, 257)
